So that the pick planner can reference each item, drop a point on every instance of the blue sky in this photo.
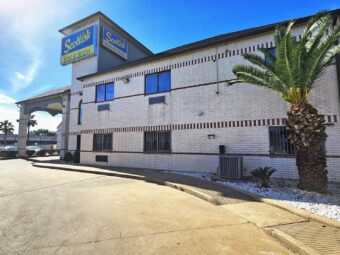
(30, 41)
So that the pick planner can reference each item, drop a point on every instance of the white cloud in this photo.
(6, 99)
(29, 32)
(21, 80)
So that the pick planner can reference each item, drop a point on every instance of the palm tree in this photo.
(293, 72)
(6, 128)
(31, 123)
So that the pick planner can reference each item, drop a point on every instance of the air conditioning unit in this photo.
(230, 167)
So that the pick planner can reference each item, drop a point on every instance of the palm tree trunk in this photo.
(307, 133)
(5, 139)
(28, 135)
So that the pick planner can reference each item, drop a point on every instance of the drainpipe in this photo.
(217, 74)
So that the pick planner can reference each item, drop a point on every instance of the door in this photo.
(78, 142)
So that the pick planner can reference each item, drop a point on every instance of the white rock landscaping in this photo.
(285, 191)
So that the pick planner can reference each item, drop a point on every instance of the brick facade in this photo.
(201, 102)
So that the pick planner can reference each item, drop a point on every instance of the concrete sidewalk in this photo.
(285, 226)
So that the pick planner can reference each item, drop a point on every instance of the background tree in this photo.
(6, 128)
(31, 123)
(293, 72)
(42, 131)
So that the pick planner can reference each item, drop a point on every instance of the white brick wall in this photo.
(191, 147)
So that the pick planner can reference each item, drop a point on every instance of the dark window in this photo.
(159, 141)
(80, 112)
(272, 52)
(78, 142)
(279, 142)
(158, 82)
(105, 92)
(102, 142)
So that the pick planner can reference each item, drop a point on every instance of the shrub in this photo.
(51, 151)
(41, 153)
(29, 153)
(8, 154)
(263, 174)
(68, 157)
(76, 157)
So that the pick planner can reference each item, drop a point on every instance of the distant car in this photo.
(9, 151)
(34, 148)
(10, 148)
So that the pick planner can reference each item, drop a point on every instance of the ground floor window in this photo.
(158, 141)
(102, 142)
(279, 142)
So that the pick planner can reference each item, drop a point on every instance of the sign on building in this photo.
(79, 45)
(114, 43)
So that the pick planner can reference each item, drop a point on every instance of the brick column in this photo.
(22, 137)
(65, 125)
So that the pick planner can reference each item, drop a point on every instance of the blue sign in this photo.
(114, 43)
(79, 45)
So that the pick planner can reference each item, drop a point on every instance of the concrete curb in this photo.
(287, 240)
(290, 242)
(300, 212)
(186, 189)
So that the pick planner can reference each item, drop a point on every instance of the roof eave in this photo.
(202, 44)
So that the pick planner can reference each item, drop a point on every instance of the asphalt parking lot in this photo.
(45, 211)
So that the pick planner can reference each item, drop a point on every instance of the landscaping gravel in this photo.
(285, 191)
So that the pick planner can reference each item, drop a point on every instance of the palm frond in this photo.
(297, 64)
(315, 60)
(253, 75)
(285, 43)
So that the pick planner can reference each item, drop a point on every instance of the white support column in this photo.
(22, 137)
(65, 125)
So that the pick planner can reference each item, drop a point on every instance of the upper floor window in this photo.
(279, 142)
(105, 92)
(80, 112)
(158, 82)
(272, 52)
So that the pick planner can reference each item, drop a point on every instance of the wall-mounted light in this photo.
(125, 80)
(211, 136)
(200, 113)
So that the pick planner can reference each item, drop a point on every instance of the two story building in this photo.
(176, 110)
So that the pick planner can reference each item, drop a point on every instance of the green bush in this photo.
(68, 157)
(8, 154)
(76, 157)
(41, 153)
(51, 151)
(263, 175)
(30, 153)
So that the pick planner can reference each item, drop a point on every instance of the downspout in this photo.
(217, 73)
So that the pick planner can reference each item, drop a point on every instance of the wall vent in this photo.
(103, 107)
(157, 100)
(101, 158)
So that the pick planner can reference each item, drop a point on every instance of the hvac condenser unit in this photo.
(230, 167)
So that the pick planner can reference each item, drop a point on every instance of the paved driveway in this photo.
(45, 211)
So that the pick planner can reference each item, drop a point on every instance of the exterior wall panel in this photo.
(201, 103)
